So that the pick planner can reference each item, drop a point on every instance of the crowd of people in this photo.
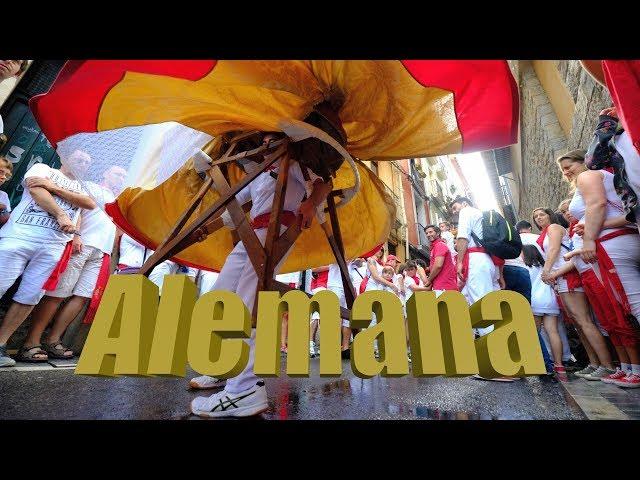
(581, 273)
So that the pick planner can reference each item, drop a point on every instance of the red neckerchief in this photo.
(571, 226)
(416, 279)
(543, 234)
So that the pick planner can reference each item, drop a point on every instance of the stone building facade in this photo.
(559, 106)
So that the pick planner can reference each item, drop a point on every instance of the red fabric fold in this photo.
(608, 270)
(101, 284)
(52, 282)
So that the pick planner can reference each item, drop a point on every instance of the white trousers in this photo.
(157, 274)
(624, 252)
(339, 291)
(239, 276)
(482, 278)
(207, 281)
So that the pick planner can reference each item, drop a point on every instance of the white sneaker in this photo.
(225, 404)
(5, 360)
(312, 349)
(206, 382)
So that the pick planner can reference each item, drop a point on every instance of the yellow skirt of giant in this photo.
(365, 221)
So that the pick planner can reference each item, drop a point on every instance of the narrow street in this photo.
(48, 392)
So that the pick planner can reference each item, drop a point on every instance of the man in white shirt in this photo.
(477, 273)
(245, 394)
(97, 235)
(32, 242)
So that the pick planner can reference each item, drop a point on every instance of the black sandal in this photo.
(57, 350)
(25, 356)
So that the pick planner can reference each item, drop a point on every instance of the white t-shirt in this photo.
(450, 241)
(527, 239)
(470, 220)
(357, 274)
(4, 199)
(30, 222)
(262, 190)
(410, 282)
(132, 253)
(334, 279)
(96, 227)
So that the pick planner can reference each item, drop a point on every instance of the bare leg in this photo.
(621, 351)
(346, 337)
(576, 304)
(633, 354)
(16, 314)
(42, 315)
(285, 330)
(65, 316)
(551, 326)
(593, 358)
(314, 329)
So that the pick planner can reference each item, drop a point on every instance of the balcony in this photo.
(433, 161)
(399, 223)
(441, 173)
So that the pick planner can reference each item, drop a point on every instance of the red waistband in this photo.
(287, 219)
(465, 260)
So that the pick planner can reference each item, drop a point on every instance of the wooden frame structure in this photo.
(264, 258)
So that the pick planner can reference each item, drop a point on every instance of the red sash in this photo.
(287, 219)
(608, 270)
(52, 282)
(543, 234)
(608, 310)
(465, 260)
(101, 283)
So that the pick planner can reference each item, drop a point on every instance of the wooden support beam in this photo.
(185, 238)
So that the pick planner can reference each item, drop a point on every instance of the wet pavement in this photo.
(60, 394)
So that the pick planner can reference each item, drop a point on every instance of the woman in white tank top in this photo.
(572, 164)
(599, 208)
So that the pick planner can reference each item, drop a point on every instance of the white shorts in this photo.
(563, 287)
(339, 291)
(81, 275)
(316, 315)
(34, 261)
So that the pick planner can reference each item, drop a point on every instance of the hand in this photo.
(547, 278)
(569, 255)
(42, 182)
(308, 211)
(589, 252)
(76, 244)
(65, 223)
(611, 112)
(579, 229)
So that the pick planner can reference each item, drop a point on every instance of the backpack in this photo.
(499, 238)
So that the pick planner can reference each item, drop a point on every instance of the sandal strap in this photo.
(54, 346)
